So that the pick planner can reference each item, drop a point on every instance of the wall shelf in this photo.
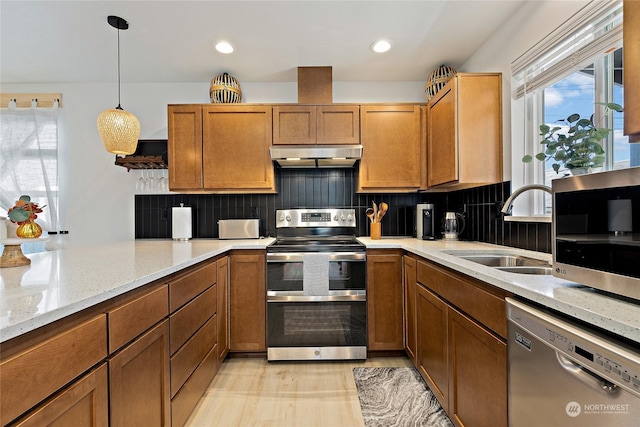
(150, 154)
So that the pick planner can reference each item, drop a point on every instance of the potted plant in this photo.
(575, 148)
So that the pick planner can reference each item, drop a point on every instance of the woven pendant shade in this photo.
(119, 131)
(437, 79)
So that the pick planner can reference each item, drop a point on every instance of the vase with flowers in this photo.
(24, 213)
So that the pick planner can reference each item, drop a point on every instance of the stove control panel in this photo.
(316, 218)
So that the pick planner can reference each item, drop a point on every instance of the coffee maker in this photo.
(425, 221)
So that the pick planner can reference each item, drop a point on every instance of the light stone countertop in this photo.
(60, 283)
(620, 316)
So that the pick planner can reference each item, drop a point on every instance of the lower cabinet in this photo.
(461, 346)
(247, 301)
(139, 381)
(410, 319)
(384, 300)
(85, 403)
(223, 308)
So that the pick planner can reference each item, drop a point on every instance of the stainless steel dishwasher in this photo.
(562, 373)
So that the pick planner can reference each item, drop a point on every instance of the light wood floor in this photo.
(254, 392)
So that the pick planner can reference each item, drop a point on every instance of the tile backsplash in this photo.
(315, 188)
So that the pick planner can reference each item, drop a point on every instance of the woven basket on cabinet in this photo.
(225, 89)
(437, 79)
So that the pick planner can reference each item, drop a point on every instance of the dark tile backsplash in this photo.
(315, 188)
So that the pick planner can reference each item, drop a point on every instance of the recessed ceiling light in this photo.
(380, 46)
(224, 47)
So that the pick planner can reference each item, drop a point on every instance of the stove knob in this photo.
(335, 218)
(342, 218)
(281, 218)
(288, 218)
(350, 218)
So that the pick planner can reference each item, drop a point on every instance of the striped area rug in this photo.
(397, 397)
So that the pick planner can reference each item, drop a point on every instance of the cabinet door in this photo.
(294, 124)
(478, 374)
(247, 300)
(185, 147)
(338, 124)
(236, 141)
(139, 381)
(384, 301)
(432, 345)
(410, 307)
(390, 137)
(84, 403)
(631, 52)
(442, 136)
(223, 308)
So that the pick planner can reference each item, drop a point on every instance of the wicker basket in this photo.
(438, 78)
(225, 89)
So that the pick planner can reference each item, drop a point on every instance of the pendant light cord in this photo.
(118, 107)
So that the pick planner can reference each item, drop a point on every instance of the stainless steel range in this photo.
(316, 287)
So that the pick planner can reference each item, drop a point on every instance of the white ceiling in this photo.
(172, 41)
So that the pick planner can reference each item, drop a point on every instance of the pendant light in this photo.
(118, 129)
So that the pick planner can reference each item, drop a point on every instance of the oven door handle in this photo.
(290, 297)
(298, 256)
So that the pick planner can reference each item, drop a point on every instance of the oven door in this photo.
(316, 327)
(347, 271)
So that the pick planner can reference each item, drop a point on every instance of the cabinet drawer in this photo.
(186, 360)
(468, 295)
(186, 321)
(34, 374)
(183, 289)
(133, 318)
(189, 395)
(82, 404)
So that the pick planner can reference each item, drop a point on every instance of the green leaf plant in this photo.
(577, 147)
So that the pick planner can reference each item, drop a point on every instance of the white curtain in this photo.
(29, 160)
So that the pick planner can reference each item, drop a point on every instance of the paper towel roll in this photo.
(181, 223)
(619, 219)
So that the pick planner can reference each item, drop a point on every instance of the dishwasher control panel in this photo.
(601, 354)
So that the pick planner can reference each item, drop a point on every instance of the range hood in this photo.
(316, 156)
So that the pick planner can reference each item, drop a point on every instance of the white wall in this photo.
(528, 25)
(97, 197)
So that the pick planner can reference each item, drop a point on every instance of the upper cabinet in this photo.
(220, 148)
(316, 124)
(392, 147)
(464, 132)
(631, 34)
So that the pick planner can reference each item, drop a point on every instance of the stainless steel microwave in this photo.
(596, 230)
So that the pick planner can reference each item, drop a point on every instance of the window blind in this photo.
(595, 29)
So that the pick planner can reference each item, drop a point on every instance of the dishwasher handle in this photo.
(589, 378)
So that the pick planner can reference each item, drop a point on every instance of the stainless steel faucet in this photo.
(508, 205)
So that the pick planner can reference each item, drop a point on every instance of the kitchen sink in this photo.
(512, 263)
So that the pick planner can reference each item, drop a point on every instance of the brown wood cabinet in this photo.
(631, 52)
(247, 301)
(464, 132)
(384, 300)
(392, 148)
(139, 391)
(410, 314)
(316, 124)
(34, 374)
(223, 308)
(432, 343)
(220, 148)
(85, 403)
(461, 350)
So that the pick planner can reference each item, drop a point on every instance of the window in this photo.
(29, 161)
(570, 71)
